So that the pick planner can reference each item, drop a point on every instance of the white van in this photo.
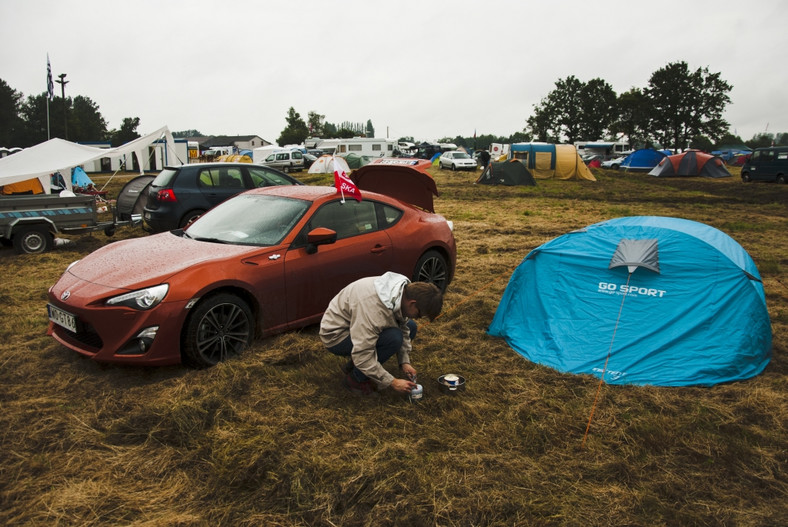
(285, 160)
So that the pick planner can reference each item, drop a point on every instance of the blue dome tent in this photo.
(644, 159)
(640, 300)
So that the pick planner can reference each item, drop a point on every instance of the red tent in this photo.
(691, 163)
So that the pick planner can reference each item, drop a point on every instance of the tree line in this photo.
(77, 119)
(678, 109)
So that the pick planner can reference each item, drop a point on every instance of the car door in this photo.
(219, 183)
(363, 248)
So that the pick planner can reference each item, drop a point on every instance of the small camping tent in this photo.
(79, 178)
(644, 159)
(506, 173)
(325, 164)
(671, 302)
(691, 163)
(234, 158)
(546, 161)
(356, 161)
(133, 197)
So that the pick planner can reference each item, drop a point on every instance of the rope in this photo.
(604, 370)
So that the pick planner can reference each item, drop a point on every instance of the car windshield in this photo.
(461, 155)
(249, 219)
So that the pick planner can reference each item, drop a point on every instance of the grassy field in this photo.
(273, 439)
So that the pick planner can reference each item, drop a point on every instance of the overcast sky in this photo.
(422, 68)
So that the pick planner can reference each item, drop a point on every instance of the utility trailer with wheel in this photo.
(30, 222)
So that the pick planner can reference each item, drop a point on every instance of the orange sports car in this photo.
(262, 262)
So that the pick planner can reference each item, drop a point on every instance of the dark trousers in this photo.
(389, 343)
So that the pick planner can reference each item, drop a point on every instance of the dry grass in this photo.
(273, 439)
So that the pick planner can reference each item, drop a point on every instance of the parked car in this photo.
(262, 262)
(767, 164)
(308, 160)
(180, 194)
(287, 160)
(456, 160)
(614, 163)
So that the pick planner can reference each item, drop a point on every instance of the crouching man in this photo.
(371, 320)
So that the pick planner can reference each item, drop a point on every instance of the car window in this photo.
(297, 155)
(350, 218)
(267, 178)
(164, 178)
(282, 157)
(391, 215)
(271, 157)
(221, 177)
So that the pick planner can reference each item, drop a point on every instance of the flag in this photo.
(50, 84)
(343, 183)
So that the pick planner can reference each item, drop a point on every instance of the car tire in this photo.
(33, 239)
(219, 327)
(190, 217)
(454, 167)
(432, 267)
(781, 179)
(614, 167)
(745, 177)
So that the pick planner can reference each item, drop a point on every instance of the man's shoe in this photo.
(364, 389)
(348, 367)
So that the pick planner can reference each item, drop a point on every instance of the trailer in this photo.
(366, 146)
(30, 222)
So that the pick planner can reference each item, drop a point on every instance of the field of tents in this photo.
(272, 438)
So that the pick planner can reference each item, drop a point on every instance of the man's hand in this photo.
(402, 386)
(409, 370)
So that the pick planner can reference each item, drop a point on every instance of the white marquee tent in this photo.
(59, 155)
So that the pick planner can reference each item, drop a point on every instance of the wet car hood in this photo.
(130, 264)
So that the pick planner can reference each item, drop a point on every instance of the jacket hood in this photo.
(389, 287)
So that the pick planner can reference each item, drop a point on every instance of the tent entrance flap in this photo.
(636, 253)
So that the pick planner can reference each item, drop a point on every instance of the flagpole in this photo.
(50, 93)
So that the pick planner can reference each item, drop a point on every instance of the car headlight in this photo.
(142, 299)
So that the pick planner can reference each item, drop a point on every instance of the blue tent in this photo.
(79, 178)
(644, 159)
(673, 302)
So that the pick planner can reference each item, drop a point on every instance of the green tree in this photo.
(34, 114)
(82, 123)
(186, 133)
(633, 118)
(729, 139)
(683, 104)
(296, 130)
(12, 129)
(761, 140)
(598, 109)
(85, 122)
(316, 124)
(701, 142)
(370, 131)
(127, 131)
(574, 110)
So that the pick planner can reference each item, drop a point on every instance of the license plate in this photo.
(62, 318)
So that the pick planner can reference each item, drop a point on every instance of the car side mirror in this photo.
(319, 236)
